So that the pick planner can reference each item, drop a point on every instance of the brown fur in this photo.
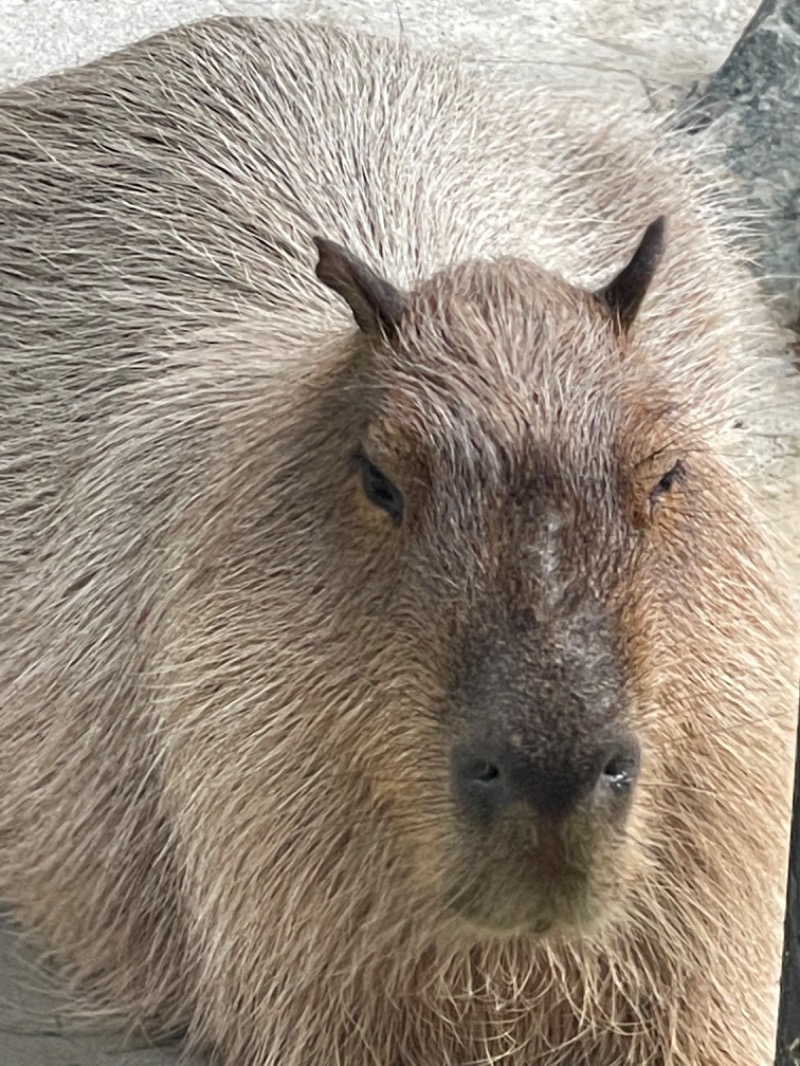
(231, 685)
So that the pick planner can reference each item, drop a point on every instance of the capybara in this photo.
(397, 666)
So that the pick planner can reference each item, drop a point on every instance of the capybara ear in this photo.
(376, 305)
(623, 296)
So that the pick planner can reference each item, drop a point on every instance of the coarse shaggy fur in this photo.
(230, 685)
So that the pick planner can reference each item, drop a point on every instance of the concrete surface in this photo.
(752, 105)
(633, 45)
(649, 50)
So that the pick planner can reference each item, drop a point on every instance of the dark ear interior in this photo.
(623, 296)
(376, 305)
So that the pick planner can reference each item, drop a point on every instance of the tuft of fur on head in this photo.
(231, 684)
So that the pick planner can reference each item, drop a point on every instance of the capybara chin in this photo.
(397, 669)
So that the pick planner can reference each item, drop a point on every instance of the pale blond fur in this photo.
(224, 679)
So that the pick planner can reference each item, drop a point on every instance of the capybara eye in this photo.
(379, 490)
(667, 482)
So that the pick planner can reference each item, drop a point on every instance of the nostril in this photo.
(484, 771)
(617, 768)
(621, 769)
(481, 785)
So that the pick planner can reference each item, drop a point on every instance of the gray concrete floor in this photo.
(621, 42)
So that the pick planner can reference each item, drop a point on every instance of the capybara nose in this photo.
(488, 778)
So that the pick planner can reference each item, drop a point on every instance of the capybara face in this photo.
(505, 502)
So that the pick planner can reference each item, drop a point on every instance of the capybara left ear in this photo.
(376, 304)
(623, 296)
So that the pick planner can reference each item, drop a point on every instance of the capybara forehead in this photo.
(506, 324)
(509, 370)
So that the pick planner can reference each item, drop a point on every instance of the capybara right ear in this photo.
(376, 304)
(623, 296)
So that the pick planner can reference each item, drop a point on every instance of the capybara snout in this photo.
(544, 764)
(544, 706)
(489, 778)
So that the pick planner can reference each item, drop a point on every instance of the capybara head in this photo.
(504, 497)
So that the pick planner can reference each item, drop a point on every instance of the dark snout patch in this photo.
(540, 713)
